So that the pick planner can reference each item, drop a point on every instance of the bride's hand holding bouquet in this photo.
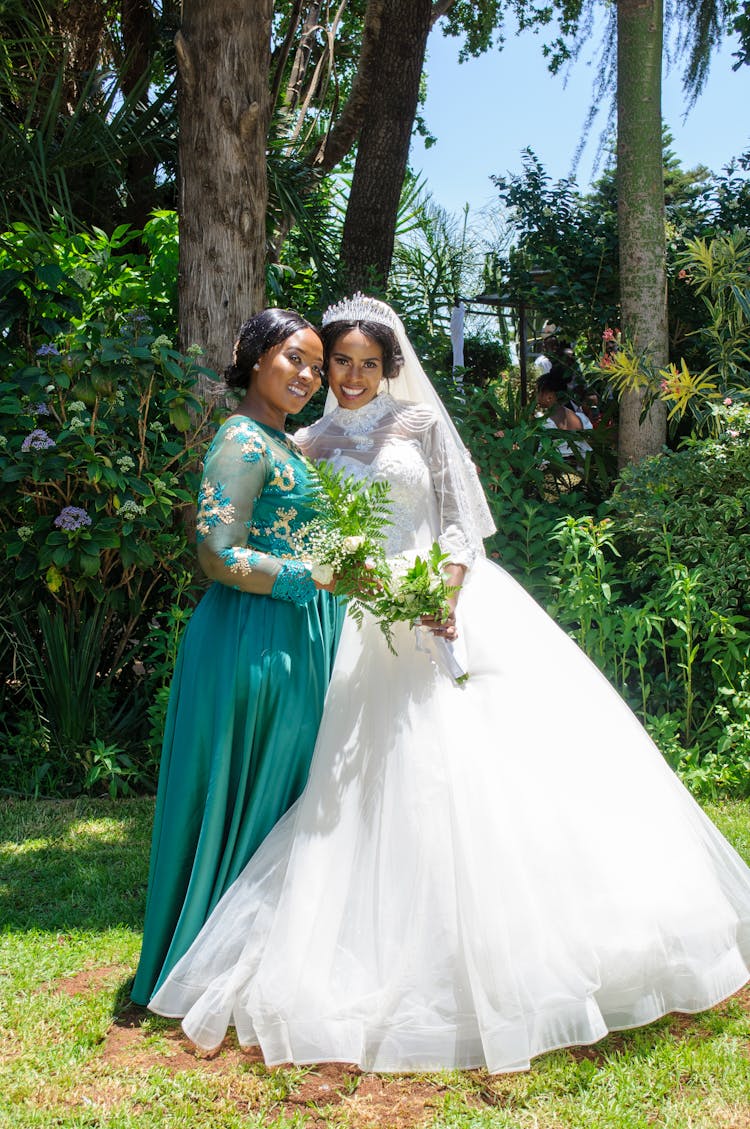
(345, 544)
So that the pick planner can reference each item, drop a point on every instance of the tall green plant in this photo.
(99, 463)
(718, 270)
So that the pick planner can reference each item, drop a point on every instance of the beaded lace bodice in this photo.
(400, 444)
(402, 465)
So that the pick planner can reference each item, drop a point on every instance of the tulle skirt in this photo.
(475, 873)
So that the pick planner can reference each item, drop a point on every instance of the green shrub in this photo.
(528, 485)
(675, 658)
(692, 507)
(101, 436)
(52, 281)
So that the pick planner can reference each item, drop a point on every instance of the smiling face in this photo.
(355, 369)
(287, 376)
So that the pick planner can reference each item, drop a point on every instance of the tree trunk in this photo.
(223, 59)
(137, 19)
(370, 224)
(80, 25)
(640, 184)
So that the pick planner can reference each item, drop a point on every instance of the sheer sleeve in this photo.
(236, 472)
(455, 537)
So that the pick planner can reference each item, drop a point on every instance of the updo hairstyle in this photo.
(552, 381)
(381, 334)
(256, 336)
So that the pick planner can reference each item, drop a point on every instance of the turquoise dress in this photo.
(247, 693)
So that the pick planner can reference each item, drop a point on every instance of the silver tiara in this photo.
(361, 308)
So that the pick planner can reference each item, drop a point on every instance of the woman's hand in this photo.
(446, 627)
(368, 581)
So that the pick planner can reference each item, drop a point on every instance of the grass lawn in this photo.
(74, 1053)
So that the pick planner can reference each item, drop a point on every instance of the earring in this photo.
(256, 366)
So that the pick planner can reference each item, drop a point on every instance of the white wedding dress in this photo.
(475, 873)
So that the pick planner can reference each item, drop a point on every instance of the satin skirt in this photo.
(475, 873)
(244, 709)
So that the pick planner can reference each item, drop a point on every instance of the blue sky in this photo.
(485, 111)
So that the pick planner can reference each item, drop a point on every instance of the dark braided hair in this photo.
(256, 336)
(381, 334)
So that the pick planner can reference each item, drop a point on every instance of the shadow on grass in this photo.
(74, 865)
(128, 1015)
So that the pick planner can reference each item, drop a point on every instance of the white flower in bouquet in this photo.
(322, 573)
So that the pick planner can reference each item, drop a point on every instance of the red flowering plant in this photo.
(611, 339)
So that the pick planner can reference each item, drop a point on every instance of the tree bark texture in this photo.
(137, 20)
(383, 150)
(223, 59)
(640, 184)
(81, 26)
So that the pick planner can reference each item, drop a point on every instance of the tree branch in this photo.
(343, 135)
(283, 53)
(439, 8)
(302, 55)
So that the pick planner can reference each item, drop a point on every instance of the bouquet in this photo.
(414, 587)
(345, 540)
(345, 543)
(417, 587)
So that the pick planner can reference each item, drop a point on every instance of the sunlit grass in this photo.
(74, 1054)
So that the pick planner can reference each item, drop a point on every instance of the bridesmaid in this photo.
(254, 665)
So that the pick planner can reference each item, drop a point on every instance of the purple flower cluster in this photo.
(41, 410)
(47, 350)
(37, 440)
(71, 518)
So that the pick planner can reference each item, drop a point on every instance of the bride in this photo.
(468, 878)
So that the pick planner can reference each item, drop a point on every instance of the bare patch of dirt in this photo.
(128, 1042)
(367, 1101)
(88, 981)
(324, 1095)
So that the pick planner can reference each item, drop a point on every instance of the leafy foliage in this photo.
(101, 436)
(692, 506)
(51, 280)
(717, 272)
(656, 593)
(346, 542)
(565, 258)
(347, 534)
(76, 120)
(529, 485)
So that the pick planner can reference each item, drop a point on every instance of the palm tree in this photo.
(640, 211)
(638, 26)
(81, 120)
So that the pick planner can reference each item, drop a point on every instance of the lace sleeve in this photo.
(457, 537)
(235, 475)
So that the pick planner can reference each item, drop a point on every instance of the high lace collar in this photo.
(361, 420)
